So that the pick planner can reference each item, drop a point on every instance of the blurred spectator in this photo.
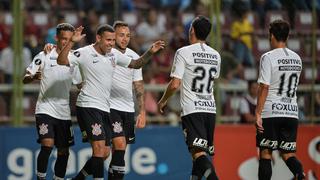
(248, 103)
(161, 66)
(317, 104)
(231, 69)
(90, 24)
(150, 30)
(6, 63)
(150, 97)
(242, 34)
(4, 33)
(178, 39)
(59, 18)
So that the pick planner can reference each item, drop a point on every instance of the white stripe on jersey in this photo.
(55, 85)
(96, 71)
(121, 97)
(197, 65)
(280, 69)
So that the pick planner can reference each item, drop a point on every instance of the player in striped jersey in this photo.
(277, 109)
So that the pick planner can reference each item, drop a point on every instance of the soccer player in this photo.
(122, 104)
(195, 67)
(53, 119)
(97, 63)
(277, 109)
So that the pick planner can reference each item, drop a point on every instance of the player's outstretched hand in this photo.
(156, 46)
(77, 36)
(141, 120)
(48, 47)
(258, 124)
(161, 106)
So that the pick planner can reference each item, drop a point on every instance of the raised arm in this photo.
(157, 46)
(63, 55)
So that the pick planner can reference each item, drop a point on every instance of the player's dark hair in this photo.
(64, 27)
(117, 24)
(280, 29)
(202, 27)
(104, 27)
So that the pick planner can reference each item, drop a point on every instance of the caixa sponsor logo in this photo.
(141, 161)
(204, 103)
(284, 107)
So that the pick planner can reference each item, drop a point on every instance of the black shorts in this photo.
(198, 129)
(279, 134)
(94, 124)
(59, 130)
(122, 124)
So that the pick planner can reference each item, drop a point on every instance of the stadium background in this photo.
(25, 26)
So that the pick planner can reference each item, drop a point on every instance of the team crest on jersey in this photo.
(117, 128)
(96, 129)
(43, 129)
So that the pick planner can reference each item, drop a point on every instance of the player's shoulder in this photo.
(82, 51)
(131, 52)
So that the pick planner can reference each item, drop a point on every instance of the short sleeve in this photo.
(122, 59)
(178, 65)
(265, 70)
(36, 64)
(74, 57)
(137, 74)
(76, 75)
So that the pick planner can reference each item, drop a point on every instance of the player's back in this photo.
(197, 65)
(281, 69)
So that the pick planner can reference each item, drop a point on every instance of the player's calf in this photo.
(295, 167)
(265, 169)
(117, 165)
(42, 162)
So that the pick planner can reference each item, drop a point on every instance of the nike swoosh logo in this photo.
(130, 139)
(53, 65)
(95, 61)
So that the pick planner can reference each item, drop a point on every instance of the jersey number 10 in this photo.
(292, 85)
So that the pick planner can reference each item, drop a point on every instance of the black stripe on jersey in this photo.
(285, 51)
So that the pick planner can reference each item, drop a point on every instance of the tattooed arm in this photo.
(139, 91)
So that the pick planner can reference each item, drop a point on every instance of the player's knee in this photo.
(47, 142)
(99, 149)
(286, 156)
(265, 154)
(119, 143)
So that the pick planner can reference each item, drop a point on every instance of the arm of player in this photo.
(139, 91)
(173, 86)
(63, 55)
(262, 96)
(157, 46)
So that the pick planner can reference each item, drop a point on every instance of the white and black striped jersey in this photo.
(121, 97)
(97, 71)
(55, 84)
(280, 69)
(197, 65)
